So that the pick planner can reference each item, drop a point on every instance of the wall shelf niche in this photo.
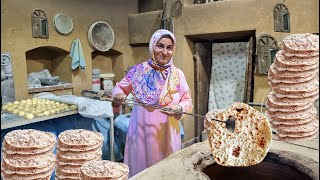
(57, 61)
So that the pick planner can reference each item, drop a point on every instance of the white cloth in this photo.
(227, 80)
(89, 108)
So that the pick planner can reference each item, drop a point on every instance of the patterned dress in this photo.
(152, 135)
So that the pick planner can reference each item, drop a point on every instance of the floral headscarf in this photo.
(152, 83)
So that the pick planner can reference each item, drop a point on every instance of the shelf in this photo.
(51, 88)
(11, 120)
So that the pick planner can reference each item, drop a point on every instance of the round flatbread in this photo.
(10, 170)
(43, 175)
(247, 145)
(294, 63)
(295, 116)
(104, 169)
(295, 139)
(294, 128)
(39, 161)
(26, 151)
(80, 149)
(81, 155)
(78, 138)
(301, 43)
(287, 73)
(64, 161)
(274, 78)
(29, 139)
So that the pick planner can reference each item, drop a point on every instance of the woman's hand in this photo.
(118, 99)
(172, 110)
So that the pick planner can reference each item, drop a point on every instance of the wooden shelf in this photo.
(51, 88)
(11, 120)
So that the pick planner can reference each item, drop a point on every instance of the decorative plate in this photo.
(63, 23)
(101, 36)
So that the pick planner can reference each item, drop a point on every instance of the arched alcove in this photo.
(56, 60)
(104, 60)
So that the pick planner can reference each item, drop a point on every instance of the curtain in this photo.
(227, 79)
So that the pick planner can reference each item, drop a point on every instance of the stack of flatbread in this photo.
(294, 80)
(104, 169)
(28, 154)
(76, 147)
(247, 145)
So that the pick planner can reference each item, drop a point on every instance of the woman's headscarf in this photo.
(152, 83)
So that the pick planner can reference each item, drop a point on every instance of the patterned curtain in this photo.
(227, 74)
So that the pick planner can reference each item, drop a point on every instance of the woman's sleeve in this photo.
(124, 86)
(185, 94)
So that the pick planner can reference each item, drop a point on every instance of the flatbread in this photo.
(81, 155)
(104, 169)
(247, 145)
(9, 170)
(307, 127)
(69, 168)
(78, 138)
(294, 63)
(287, 116)
(29, 139)
(40, 161)
(62, 160)
(274, 78)
(29, 151)
(43, 175)
(287, 73)
(73, 162)
(301, 43)
(295, 139)
(293, 85)
(80, 149)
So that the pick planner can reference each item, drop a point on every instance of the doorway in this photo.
(224, 71)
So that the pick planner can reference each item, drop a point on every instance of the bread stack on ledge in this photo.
(294, 80)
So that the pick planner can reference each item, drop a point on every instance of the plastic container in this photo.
(107, 81)
(96, 83)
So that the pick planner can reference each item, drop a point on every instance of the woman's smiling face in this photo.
(163, 50)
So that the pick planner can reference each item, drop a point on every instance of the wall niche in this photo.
(57, 61)
(104, 60)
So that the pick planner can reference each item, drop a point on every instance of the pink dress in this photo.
(152, 136)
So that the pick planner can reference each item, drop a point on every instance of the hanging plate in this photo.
(101, 36)
(63, 23)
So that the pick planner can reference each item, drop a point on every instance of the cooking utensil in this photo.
(230, 122)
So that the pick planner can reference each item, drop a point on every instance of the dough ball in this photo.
(23, 101)
(20, 107)
(33, 111)
(26, 109)
(21, 113)
(10, 109)
(57, 110)
(40, 114)
(46, 113)
(4, 107)
(9, 104)
(15, 111)
(73, 107)
(16, 102)
(52, 111)
(29, 116)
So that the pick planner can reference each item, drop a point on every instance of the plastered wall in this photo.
(219, 17)
(16, 36)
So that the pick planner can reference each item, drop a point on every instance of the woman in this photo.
(154, 133)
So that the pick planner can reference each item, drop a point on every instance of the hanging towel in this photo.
(76, 55)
